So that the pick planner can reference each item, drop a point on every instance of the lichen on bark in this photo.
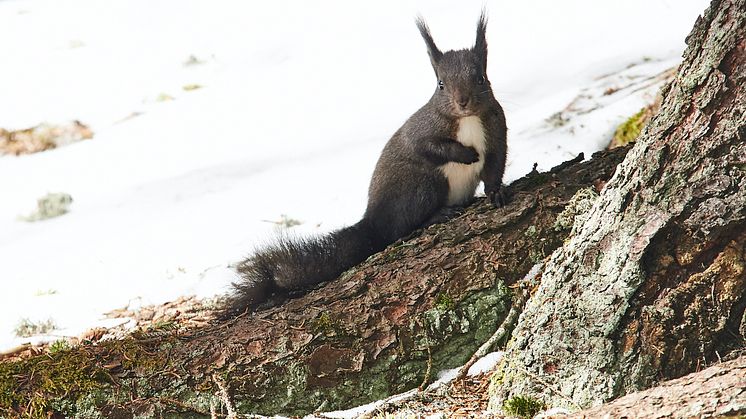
(652, 285)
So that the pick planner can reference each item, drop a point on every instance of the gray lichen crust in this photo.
(575, 213)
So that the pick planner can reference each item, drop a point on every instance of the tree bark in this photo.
(425, 303)
(718, 391)
(652, 285)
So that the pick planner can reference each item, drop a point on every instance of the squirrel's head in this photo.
(463, 88)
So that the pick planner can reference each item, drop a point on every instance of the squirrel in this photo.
(427, 172)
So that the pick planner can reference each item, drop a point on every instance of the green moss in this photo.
(161, 326)
(77, 382)
(327, 326)
(444, 302)
(630, 129)
(323, 323)
(530, 232)
(523, 406)
(504, 372)
(58, 346)
(32, 387)
(136, 358)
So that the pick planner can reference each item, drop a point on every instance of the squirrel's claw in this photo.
(500, 196)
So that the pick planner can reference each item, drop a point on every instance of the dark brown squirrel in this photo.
(427, 172)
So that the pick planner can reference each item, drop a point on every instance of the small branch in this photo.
(428, 371)
(525, 286)
(529, 282)
(224, 397)
(14, 351)
(321, 407)
(391, 402)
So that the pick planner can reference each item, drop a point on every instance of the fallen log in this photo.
(427, 302)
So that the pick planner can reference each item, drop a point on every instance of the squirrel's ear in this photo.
(432, 49)
(480, 46)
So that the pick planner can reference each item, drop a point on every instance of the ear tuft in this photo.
(480, 46)
(432, 49)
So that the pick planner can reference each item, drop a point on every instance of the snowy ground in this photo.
(296, 100)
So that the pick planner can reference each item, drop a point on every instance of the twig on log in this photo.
(321, 407)
(224, 397)
(529, 282)
(428, 371)
(524, 286)
(390, 403)
(17, 349)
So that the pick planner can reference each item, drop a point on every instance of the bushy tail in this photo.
(297, 264)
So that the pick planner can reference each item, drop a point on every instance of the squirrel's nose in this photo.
(462, 101)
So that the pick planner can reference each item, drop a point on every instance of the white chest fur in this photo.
(464, 178)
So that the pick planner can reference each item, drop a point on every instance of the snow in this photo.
(483, 365)
(297, 100)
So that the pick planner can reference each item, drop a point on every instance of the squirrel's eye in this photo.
(441, 86)
(480, 80)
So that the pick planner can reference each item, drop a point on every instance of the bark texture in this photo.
(718, 391)
(652, 285)
(428, 301)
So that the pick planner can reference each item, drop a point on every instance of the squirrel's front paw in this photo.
(469, 156)
(499, 196)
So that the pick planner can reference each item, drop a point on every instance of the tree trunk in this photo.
(652, 285)
(423, 304)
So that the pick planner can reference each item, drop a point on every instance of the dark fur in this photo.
(407, 190)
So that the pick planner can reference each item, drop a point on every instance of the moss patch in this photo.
(31, 387)
(523, 407)
(79, 381)
(59, 346)
(444, 302)
(630, 129)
